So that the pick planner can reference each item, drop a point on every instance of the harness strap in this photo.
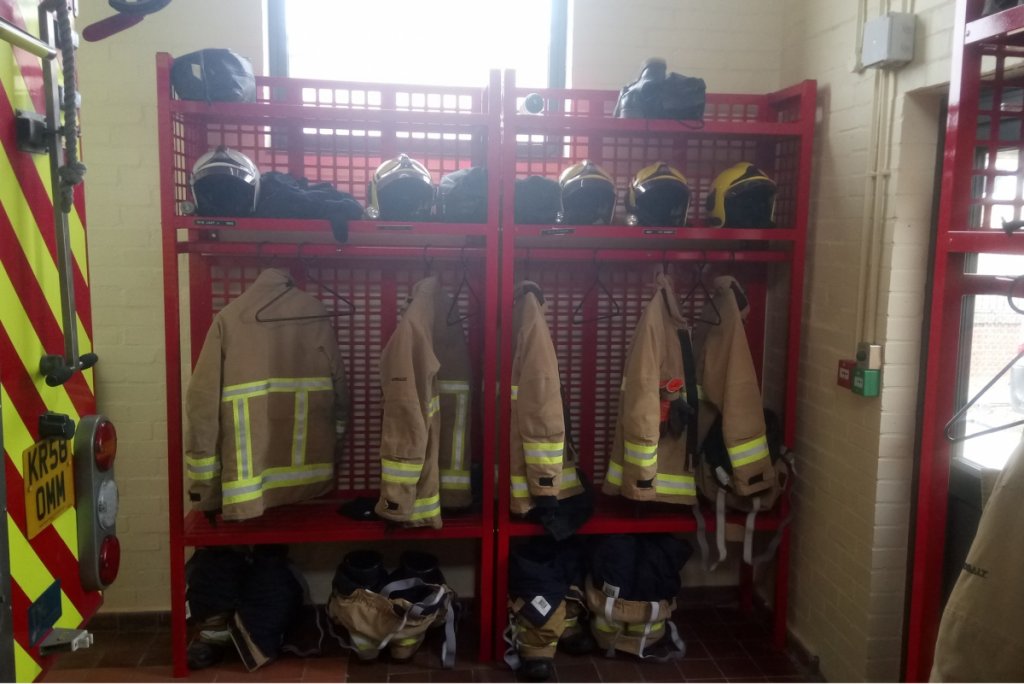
(720, 528)
(702, 540)
(748, 532)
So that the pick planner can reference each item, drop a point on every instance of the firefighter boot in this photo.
(209, 646)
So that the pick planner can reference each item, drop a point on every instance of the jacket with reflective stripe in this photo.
(266, 403)
(729, 382)
(644, 465)
(425, 377)
(540, 463)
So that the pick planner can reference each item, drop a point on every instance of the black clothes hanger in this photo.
(454, 317)
(970, 402)
(706, 294)
(599, 287)
(348, 311)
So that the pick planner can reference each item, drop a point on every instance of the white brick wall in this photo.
(117, 81)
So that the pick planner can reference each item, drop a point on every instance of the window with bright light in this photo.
(447, 42)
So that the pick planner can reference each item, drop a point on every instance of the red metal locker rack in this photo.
(986, 116)
(339, 133)
(774, 131)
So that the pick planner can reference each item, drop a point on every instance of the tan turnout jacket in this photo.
(541, 465)
(425, 377)
(266, 403)
(728, 385)
(644, 465)
(980, 639)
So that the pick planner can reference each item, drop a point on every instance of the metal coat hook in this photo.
(351, 308)
(708, 296)
(473, 305)
(600, 287)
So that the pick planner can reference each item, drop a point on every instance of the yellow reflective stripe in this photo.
(362, 643)
(614, 474)
(641, 627)
(543, 453)
(243, 452)
(571, 622)
(410, 641)
(256, 388)
(454, 479)
(605, 626)
(202, 468)
(426, 508)
(674, 484)
(400, 472)
(748, 452)
(642, 455)
(515, 392)
(434, 406)
(299, 428)
(520, 489)
(461, 391)
(248, 489)
(569, 478)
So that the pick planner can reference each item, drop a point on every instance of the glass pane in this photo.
(997, 336)
(454, 43)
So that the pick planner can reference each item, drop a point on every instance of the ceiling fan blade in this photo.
(104, 28)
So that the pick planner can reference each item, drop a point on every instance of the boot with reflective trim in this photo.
(210, 644)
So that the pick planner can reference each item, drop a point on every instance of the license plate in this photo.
(49, 483)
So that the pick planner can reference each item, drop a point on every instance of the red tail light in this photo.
(105, 445)
(110, 559)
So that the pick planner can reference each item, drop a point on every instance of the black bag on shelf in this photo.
(214, 75)
(537, 201)
(284, 196)
(462, 196)
(661, 95)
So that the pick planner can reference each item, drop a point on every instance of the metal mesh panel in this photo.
(338, 133)
(377, 290)
(998, 176)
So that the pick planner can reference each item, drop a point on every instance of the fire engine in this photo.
(58, 545)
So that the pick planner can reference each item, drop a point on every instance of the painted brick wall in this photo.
(118, 85)
(853, 496)
(732, 44)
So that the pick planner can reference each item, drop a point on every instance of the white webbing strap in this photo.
(647, 627)
(774, 543)
(748, 531)
(609, 604)
(511, 636)
(720, 528)
(702, 533)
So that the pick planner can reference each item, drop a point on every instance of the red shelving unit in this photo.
(774, 131)
(336, 132)
(984, 123)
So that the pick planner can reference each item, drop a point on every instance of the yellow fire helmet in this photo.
(742, 196)
(401, 190)
(588, 194)
(658, 196)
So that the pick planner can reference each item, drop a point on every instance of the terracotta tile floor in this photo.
(723, 645)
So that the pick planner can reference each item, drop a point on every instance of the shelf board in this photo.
(617, 515)
(318, 521)
(523, 124)
(566, 233)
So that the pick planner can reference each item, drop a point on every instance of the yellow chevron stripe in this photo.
(17, 438)
(30, 349)
(26, 569)
(42, 264)
(17, 91)
(25, 669)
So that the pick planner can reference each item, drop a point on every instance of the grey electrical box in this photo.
(888, 40)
